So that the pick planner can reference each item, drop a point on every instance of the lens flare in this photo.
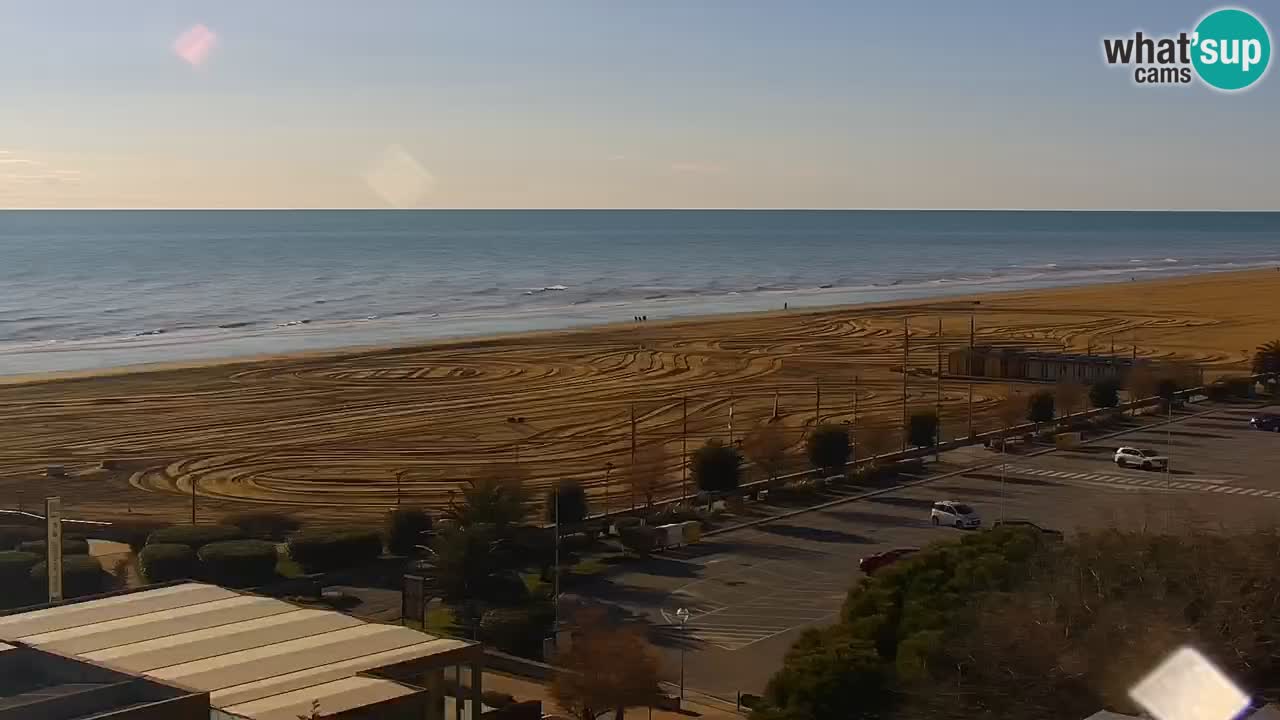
(195, 44)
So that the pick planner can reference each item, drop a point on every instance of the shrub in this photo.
(12, 535)
(1105, 393)
(506, 587)
(162, 562)
(319, 551)
(81, 575)
(195, 536)
(1040, 407)
(922, 428)
(406, 529)
(567, 503)
(264, 524)
(134, 533)
(238, 563)
(716, 467)
(639, 540)
(518, 631)
(15, 566)
(532, 545)
(828, 447)
(70, 546)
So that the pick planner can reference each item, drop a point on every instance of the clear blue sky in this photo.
(599, 103)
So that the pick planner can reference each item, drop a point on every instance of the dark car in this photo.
(1023, 523)
(871, 563)
(1270, 423)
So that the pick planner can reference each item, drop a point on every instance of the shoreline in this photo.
(463, 342)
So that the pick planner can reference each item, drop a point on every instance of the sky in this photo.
(616, 104)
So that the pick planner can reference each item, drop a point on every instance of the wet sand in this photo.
(337, 436)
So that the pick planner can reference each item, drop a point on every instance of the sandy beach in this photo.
(338, 436)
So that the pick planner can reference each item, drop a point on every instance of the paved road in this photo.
(751, 592)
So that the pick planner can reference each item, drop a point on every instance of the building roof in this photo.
(257, 657)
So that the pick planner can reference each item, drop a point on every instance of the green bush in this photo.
(81, 575)
(829, 447)
(70, 546)
(716, 467)
(11, 535)
(639, 540)
(922, 428)
(263, 524)
(238, 563)
(506, 587)
(163, 562)
(567, 503)
(406, 529)
(319, 551)
(195, 536)
(1041, 406)
(1105, 393)
(518, 631)
(133, 533)
(15, 574)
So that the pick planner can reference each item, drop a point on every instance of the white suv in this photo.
(957, 514)
(1145, 459)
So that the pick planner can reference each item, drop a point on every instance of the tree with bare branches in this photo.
(647, 473)
(872, 440)
(766, 446)
(607, 668)
(1069, 396)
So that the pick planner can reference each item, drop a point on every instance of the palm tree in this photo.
(1266, 359)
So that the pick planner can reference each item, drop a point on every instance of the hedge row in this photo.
(195, 536)
(70, 546)
(238, 563)
(162, 562)
(320, 551)
(24, 577)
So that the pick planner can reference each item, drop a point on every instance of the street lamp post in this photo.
(608, 470)
(683, 616)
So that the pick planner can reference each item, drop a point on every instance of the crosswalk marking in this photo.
(1161, 483)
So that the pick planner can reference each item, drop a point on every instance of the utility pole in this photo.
(817, 402)
(193, 499)
(970, 408)
(937, 439)
(633, 453)
(730, 420)
(684, 446)
(973, 318)
(906, 349)
(853, 425)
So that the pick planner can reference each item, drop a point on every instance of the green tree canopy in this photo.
(922, 428)
(1266, 359)
(567, 503)
(498, 497)
(829, 447)
(716, 467)
(1040, 407)
(1105, 393)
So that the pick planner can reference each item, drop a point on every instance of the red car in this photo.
(871, 563)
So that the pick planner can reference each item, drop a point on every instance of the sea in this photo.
(82, 290)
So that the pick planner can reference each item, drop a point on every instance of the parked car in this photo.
(1023, 523)
(957, 514)
(871, 563)
(1145, 459)
(1268, 422)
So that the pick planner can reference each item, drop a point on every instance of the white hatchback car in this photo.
(1145, 459)
(956, 514)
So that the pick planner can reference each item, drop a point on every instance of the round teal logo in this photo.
(1232, 49)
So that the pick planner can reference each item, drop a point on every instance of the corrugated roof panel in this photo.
(236, 668)
(89, 612)
(139, 628)
(189, 647)
(288, 682)
(333, 697)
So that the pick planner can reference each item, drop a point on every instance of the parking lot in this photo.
(751, 592)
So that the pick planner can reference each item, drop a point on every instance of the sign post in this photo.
(53, 545)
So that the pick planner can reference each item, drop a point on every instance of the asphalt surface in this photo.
(751, 592)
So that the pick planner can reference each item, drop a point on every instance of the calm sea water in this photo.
(88, 289)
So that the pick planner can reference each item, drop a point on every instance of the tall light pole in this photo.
(608, 470)
(906, 350)
(555, 514)
(194, 480)
(684, 446)
(683, 616)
